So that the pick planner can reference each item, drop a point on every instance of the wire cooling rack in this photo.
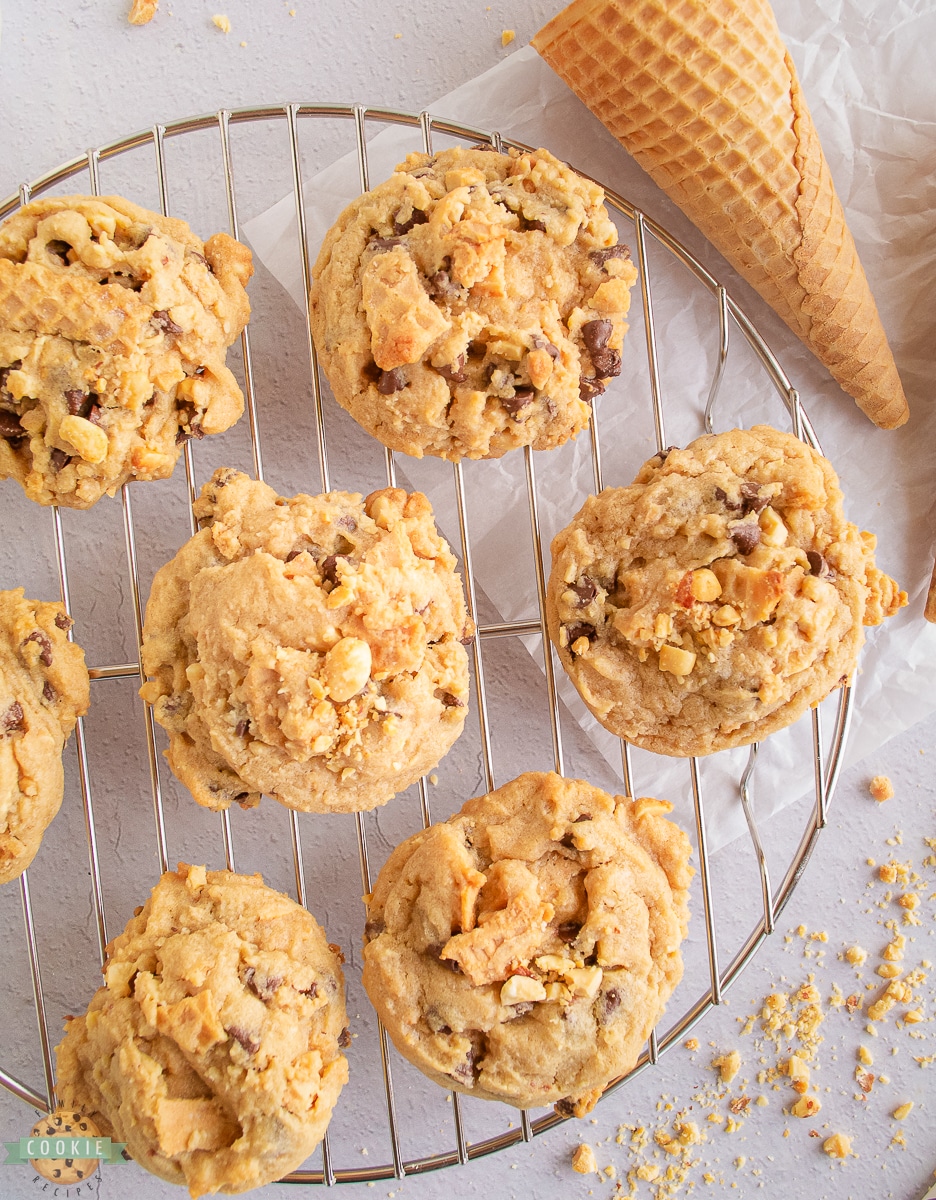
(282, 147)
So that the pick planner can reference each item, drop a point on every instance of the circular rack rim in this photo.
(826, 765)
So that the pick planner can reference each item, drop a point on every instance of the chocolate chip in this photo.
(64, 621)
(607, 362)
(418, 218)
(574, 632)
(595, 334)
(817, 564)
(568, 931)
(582, 817)
(45, 653)
(529, 226)
(75, 401)
(464, 1071)
(586, 590)
(449, 963)
(312, 990)
(590, 388)
(391, 381)
(519, 400)
(521, 1009)
(448, 700)
(565, 1108)
(610, 1003)
(540, 343)
(249, 1043)
(163, 321)
(293, 554)
(663, 455)
(263, 987)
(344, 1038)
(454, 372)
(329, 568)
(383, 243)
(59, 458)
(568, 841)
(601, 257)
(347, 522)
(48, 693)
(722, 497)
(240, 729)
(751, 500)
(10, 427)
(746, 536)
(12, 719)
(441, 286)
(373, 929)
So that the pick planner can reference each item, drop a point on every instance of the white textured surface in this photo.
(74, 74)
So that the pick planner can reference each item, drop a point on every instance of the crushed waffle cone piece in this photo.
(706, 98)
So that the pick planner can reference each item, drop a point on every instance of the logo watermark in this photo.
(65, 1148)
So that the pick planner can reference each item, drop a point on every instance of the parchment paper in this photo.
(866, 73)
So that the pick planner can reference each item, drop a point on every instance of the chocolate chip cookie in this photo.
(213, 1048)
(44, 688)
(472, 303)
(716, 598)
(524, 949)
(309, 648)
(114, 324)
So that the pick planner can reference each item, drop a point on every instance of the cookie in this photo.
(524, 949)
(213, 1050)
(114, 324)
(308, 648)
(44, 688)
(716, 598)
(472, 303)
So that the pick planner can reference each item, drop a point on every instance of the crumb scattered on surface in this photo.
(583, 1159)
(837, 1146)
(142, 11)
(507, 36)
(902, 1111)
(222, 22)
(881, 788)
(727, 1065)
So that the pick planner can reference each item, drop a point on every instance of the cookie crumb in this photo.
(838, 1145)
(902, 1111)
(142, 11)
(222, 23)
(856, 955)
(881, 788)
(507, 36)
(583, 1159)
(727, 1065)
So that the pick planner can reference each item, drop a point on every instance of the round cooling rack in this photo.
(125, 819)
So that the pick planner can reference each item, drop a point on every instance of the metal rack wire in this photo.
(825, 760)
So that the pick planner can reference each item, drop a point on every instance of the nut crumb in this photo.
(222, 23)
(142, 11)
(902, 1111)
(727, 1065)
(837, 1146)
(583, 1159)
(881, 788)
(507, 36)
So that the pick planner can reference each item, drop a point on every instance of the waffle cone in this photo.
(706, 98)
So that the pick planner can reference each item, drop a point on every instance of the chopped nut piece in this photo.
(222, 23)
(704, 585)
(507, 36)
(520, 989)
(856, 955)
(798, 1072)
(142, 11)
(727, 1065)
(806, 1106)
(837, 1146)
(676, 660)
(583, 1159)
(902, 1111)
(881, 788)
(864, 1056)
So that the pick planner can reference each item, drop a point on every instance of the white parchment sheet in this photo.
(867, 74)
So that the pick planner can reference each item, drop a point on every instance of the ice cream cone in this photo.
(705, 96)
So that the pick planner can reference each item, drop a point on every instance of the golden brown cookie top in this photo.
(213, 1048)
(718, 596)
(309, 647)
(114, 324)
(472, 303)
(44, 688)
(524, 949)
